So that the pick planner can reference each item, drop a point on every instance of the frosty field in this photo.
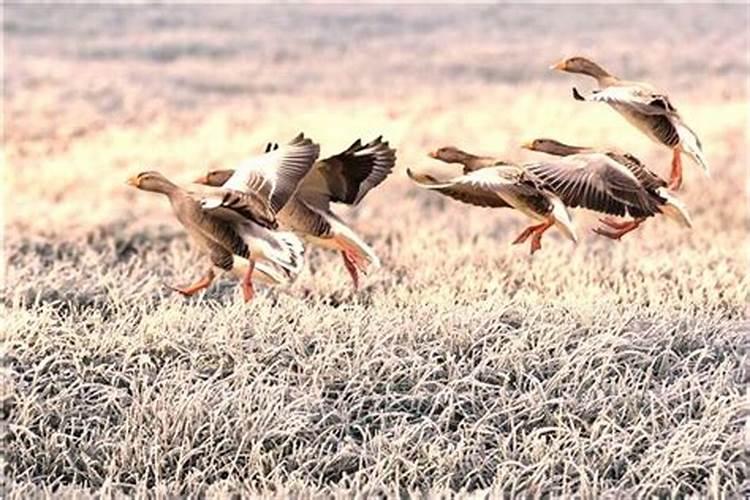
(463, 365)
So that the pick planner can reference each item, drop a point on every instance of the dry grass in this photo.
(464, 365)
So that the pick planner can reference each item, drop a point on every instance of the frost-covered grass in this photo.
(463, 365)
(575, 371)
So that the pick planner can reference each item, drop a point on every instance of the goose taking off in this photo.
(642, 105)
(343, 178)
(235, 225)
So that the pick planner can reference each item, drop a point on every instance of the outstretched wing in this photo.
(233, 206)
(348, 176)
(636, 96)
(479, 188)
(275, 175)
(597, 182)
(648, 179)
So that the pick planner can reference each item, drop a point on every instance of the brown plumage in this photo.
(470, 162)
(343, 178)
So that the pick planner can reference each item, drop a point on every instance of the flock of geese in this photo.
(251, 220)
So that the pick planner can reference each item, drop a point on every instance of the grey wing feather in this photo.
(276, 175)
(348, 176)
(648, 179)
(593, 182)
(466, 192)
(639, 98)
(383, 160)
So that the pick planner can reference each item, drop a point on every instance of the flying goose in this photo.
(503, 185)
(471, 162)
(343, 178)
(642, 105)
(610, 181)
(235, 225)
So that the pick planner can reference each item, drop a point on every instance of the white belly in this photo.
(263, 272)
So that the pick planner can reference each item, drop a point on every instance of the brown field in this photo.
(464, 365)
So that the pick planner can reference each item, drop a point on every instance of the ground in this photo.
(463, 364)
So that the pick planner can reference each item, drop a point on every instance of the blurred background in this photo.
(197, 83)
(96, 94)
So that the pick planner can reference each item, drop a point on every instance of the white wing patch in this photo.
(264, 166)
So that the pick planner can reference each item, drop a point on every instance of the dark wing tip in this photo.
(299, 139)
(383, 151)
(577, 95)
(302, 141)
(358, 169)
(633, 158)
(356, 146)
(662, 102)
(658, 103)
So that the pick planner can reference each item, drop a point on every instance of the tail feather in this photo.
(289, 252)
(562, 218)
(675, 209)
(699, 158)
(280, 248)
(692, 146)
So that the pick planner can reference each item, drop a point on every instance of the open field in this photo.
(464, 364)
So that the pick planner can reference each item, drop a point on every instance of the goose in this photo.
(470, 162)
(607, 181)
(235, 225)
(651, 111)
(500, 185)
(342, 178)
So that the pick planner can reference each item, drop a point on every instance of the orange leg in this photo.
(247, 282)
(536, 239)
(199, 285)
(526, 233)
(675, 177)
(614, 223)
(620, 230)
(351, 266)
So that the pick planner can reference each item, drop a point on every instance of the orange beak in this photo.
(203, 179)
(528, 145)
(561, 66)
(433, 154)
(133, 181)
